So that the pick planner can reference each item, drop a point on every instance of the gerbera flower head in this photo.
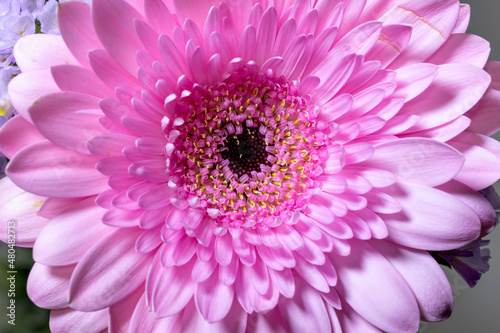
(245, 166)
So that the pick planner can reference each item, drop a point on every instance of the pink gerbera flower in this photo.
(245, 166)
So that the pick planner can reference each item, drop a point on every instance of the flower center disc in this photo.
(246, 147)
(246, 152)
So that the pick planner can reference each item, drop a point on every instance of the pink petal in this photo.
(215, 67)
(311, 253)
(298, 60)
(223, 249)
(109, 144)
(432, 24)
(269, 238)
(482, 166)
(430, 219)
(270, 322)
(172, 56)
(277, 258)
(413, 80)
(353, 182)
(377, 226)
(70, 321)
(475, 201)
(462, 48)
(152, 218)
(363, 37)
(289, 237)
(218, 44)
(48, 287)
(67, 119)
(227, 274)
(258, 275)
(120, 313)
(380, 202)
(333, 78)
(248, 43)
(108, 272)
(143, 319)
(360, 229)
(308, 23)
(305, 312)
(358, 152)
(318, 210)
(193, 321)
(19, 214)
(149, 39)
(420, 161)
(329, 15)
(113, 22)
(374, 9)
(194, 9)
(114, 166)
(392, 41)
(311, 274)
(117, 216)
(255, 15)
(202, 270)
(73, 18)
(150, 200)
(485, 115)
(366, 101)
(351, 321)
(199, 65)
(286, 34)
(149, 240)
(213, 299)
(122, 201)
(336, 107)
(159, 16)
(493, 68)
(46, 169)
(455, 89)
(142, 127)
(425, 278)
(109, 70)
(240, 12)
(284, 281)
(374, 289)
(40, 51)
(16, 134)
(62, 243)
(307, 227)
(52, 207)
(352, 11)
(337, 229)
(184, 250)
(172, 290)
(322, 46)
(26, 88)
(266, 34)
(463, 19)
(78, 79)
(442, 133)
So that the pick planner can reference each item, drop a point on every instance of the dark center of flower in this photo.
(246, 151)
(246, 148)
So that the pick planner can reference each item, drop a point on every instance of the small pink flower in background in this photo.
(282, 166)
